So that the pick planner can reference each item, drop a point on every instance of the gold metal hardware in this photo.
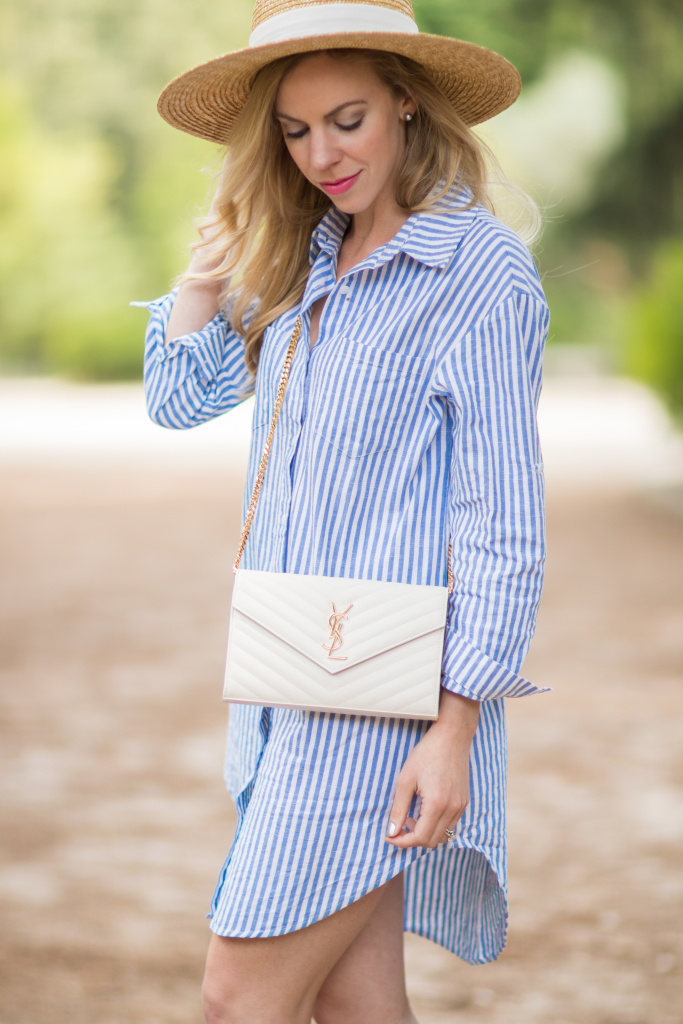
(335, 624)
(280, 397)
(450, 568)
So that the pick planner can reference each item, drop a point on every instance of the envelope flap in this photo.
(338, 623)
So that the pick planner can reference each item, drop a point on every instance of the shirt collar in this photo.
(328, 235)
(430, 237)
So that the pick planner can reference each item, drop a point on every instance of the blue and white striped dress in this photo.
(411, 421)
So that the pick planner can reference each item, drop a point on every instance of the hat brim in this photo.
(207, 100)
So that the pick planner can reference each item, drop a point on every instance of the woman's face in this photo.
(344, 129)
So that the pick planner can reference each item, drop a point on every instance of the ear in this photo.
(407, 105)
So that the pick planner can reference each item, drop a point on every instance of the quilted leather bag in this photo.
(320, 643)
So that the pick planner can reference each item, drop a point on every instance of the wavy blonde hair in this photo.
(259, 230)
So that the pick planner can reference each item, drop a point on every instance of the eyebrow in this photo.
(349, 103)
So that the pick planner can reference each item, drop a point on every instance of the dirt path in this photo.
(115, 820)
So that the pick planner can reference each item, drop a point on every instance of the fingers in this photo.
(405, 791)
(430, 828)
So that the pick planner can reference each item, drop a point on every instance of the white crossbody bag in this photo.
(321, 643)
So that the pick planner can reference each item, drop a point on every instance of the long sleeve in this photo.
(195, 377)
(492, 379)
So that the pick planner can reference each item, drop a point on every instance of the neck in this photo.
(371, 228)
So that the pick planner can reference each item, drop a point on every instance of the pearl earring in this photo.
(408, 117)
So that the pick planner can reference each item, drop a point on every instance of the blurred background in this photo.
(97, 194)
(117, 536)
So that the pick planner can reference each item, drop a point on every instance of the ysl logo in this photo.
(335, 624)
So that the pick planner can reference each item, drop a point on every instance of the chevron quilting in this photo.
(393, 640)
(296, 610)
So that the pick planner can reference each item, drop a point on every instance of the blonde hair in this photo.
(264, 211)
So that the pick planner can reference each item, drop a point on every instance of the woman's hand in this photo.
(197, 301)
(438, 770)
(195, 306)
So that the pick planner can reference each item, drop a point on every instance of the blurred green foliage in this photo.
(97, 194)
(654, 350)
(638, 196)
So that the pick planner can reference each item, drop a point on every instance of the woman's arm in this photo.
(194, 376)
(194, 360)
(496, 500)
(491, 379)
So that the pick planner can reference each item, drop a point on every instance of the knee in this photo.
(243, 983)
(235, 1001)
(217, 1004)
(222, 991)
(221, 997)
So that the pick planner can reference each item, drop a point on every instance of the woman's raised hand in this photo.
(197, 301)
(438, 771)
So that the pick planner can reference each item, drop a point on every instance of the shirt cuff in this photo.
(206, 347)
(471, 673)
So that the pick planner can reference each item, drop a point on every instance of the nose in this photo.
(323, 152)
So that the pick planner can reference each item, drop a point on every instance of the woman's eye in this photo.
(343, 127)
(351, 127)
(296, 135)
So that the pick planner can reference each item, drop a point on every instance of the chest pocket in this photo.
(362, 397)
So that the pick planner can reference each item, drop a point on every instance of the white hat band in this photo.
(329, 19)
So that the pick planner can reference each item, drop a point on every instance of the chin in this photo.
(351, 204)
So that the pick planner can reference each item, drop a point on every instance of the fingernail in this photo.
(392, 829)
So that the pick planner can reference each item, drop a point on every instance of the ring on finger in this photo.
(450, 832)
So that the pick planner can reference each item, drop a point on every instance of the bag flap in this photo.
(338, 623)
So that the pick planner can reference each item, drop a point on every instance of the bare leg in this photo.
(367, 985)
(276, 980)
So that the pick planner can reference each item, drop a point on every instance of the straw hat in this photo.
(206, 101)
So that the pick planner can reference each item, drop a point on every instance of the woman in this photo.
(354, 195)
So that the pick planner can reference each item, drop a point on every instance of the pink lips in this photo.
(335, 188)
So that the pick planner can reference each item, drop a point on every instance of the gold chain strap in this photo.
(255, 494)
(282, 387)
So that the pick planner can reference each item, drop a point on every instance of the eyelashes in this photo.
(342, 127)
(351, 127)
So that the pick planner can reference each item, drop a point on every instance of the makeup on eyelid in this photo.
(342, 127)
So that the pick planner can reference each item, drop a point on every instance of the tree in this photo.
(97, 194)
(639, 195)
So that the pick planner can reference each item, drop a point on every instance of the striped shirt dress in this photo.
(411, 422)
